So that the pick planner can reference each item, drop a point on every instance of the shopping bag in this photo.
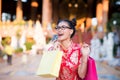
(91, 70)
(50, 64)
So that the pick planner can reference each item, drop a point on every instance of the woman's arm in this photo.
(82, 67)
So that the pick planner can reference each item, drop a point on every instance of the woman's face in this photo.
(63, 31)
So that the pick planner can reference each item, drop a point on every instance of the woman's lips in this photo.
(60, 34)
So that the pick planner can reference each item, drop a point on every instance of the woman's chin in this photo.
(60, 39)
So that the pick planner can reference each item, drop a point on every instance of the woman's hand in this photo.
(85, 49)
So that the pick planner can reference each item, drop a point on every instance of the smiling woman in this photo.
(74, 59)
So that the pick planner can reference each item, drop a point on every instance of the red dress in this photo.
(70, 62)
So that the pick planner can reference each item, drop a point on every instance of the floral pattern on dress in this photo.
(74, 57)
(66, 74)
(70, 62)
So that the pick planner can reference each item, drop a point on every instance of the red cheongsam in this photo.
(70, 62)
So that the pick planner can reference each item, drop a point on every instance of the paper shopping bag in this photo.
(50, 64)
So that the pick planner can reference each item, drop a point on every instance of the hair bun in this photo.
(73, 21)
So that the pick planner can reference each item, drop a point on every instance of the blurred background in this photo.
(27, 26)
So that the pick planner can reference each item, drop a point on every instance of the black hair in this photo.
(71, 23)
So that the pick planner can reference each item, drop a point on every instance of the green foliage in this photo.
(101, 41)
(115, 50)
(115, 17)
(5, 41)
(29, 45)
(111, 26)
(18, 33)
(18, 50)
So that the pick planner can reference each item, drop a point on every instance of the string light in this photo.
(69, 5)
(34, 4)
(76, 5)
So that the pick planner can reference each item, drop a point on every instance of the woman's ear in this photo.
(71, 31)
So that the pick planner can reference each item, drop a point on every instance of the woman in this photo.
(74, 60)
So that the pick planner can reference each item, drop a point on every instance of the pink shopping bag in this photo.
(91, 70)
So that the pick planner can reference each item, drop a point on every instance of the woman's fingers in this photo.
(85, 45)
(85, 49)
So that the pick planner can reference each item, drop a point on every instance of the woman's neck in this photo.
(66, 44)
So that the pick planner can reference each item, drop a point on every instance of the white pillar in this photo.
(46, 13)
(99, 16)
(19, 12)
(105, 12)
